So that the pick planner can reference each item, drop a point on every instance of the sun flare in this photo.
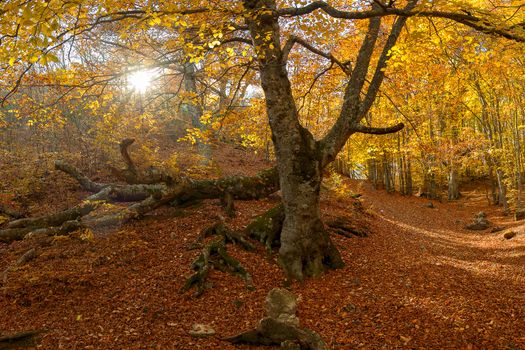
(141, 80)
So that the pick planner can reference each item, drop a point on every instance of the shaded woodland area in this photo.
(242, 174)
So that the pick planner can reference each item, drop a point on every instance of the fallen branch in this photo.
(16, 234)
(55, 219)
(131, 173)
(10, 212)
(26, 257)
(148, 196)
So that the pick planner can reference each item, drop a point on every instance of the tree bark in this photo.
(306, 249)
(453, 186)
(502, 191)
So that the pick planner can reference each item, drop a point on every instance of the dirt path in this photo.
(419, 281)
(437, 285)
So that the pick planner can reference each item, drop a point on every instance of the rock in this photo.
(280, 301)
(497, 229)
(281, 327)
(430, 205)
(480, 222)
(199, 330)
(478, 226)
(510, 235)
(519, 214)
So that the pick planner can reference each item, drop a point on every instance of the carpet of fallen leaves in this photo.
(418, 281)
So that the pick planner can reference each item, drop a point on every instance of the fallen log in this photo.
(55, 219)
(16, 234)
(259, 186)
(147, 196)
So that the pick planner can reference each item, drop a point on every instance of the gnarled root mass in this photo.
(215, 255)
(344, 227)
(272, 331)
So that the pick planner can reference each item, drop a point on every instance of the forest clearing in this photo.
(419, 280)
(262, 173)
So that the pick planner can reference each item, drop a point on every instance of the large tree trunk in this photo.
(306, 249)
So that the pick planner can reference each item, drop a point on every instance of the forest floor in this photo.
(418, 281)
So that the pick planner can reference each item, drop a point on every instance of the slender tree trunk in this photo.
(502, 191)
(493, 185)
(387, 173)
(409, 186)
(192, 111)
(372, 172)
(453, 186)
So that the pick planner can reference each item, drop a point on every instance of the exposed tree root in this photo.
(220, 229)
(266, 228)
(342, 226)
(215, 255)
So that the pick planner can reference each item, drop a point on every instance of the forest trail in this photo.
(444, 286)
(418, 281)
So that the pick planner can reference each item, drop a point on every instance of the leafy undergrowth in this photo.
(419, 281)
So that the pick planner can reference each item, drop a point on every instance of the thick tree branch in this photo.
(465, 18)
(238, 40)
(379, 73)
(82, 179)
(349, 115)
(377, 131)
(294, 39)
